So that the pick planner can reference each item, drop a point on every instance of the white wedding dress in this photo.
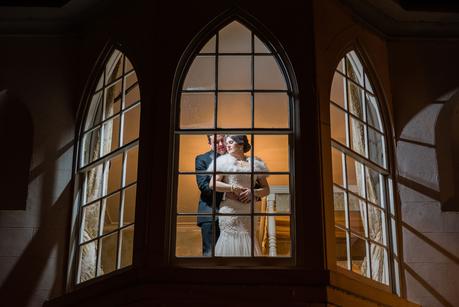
(235, 230)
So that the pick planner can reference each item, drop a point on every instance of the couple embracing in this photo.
(233, 195)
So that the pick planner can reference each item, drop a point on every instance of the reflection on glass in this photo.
(93, 184)
(108, 251)
(127, 65)
(90, 222)
(234, 110)
(355, 99)
(129, 205)
(197, 110)
(273, 150)
(90, 146)
(132, 92)
(111, 216)
(95, 111)
(375, 187)
(209, 47)
(234, 73)
(127, 246)
(355, 177)
(357, 214)
(272, 234)
(368, 86)
(376, 147)
(111, 130)
(375, 224)
(268, 74)
(189, 148)
(113, 168)
(341, 250)
(373, 115)
(379, 264)
(338, 124)
(260, 47)
(338, 167)
(338, 90)
(354, 67)
(88, 256)
(131, 165)
(201, 75)
(188, 241)
(359, 256)
(357, 136)
(113, 99)
(235, 38)
(271, 110)
(339, 204)
(114, 67)
(340, 66)
(188, 194)
(394, 236)
(131, 124)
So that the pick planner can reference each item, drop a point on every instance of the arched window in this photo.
(235, 89)
(107, 170)
(362, 185)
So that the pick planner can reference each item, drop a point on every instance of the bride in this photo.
(235, 223)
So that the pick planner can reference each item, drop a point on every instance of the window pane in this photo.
(379, 264)
(234, 110)
(357, 214)
(131, 124)
(268, 74)
(113, 98)
(93, 184)
(340, 66)
(368, 86)
(90, 222)
(209, 47)
(273, 150)
(190, 147)
(278, 200)
(111, 213)
(131, 165)
(376, 147)
(108, 251)
(341, 248)
(129, 204)
(110, 140)
(338, 124)
(113, 171)
(355, 176)
(95, 111)
(114, 67)
(394, 236)
(354, 67)
(235, 38)
(234, 73)
(90, 147)
(235, 237)
(260, 47)
(188, 241)
(189, 196)
(229, 205)
(127, 246)
(88, 256)
(373, 115)
(271, 110)
(197, 110)
(338, 93)
(355, 100)
(340, 207)
(132, 92)
(375, 187)
(376, 225)
(201, 75)
(272, 234)
(357, 136)
(359, 256)
(127, 65)
(338, 167)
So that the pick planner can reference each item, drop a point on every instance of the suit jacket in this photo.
(202, 162)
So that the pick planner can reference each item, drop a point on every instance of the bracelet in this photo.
(232, 188)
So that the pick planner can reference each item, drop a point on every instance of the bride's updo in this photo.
(241, 139)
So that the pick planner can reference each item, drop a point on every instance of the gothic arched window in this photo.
(362, 185)
(235, 90)
(107, 170)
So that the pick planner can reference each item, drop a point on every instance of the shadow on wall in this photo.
(430, 234)
(16, 135)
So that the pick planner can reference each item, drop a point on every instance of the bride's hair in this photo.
(241, 139)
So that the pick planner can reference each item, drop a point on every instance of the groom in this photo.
(202, 162)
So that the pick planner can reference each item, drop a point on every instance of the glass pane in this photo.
(338, 124)
(189, 198)
(234, 73)
(201, 75)
(90, 146)
(268, 75)
(131, 124)
(354, 67)
(260, 47)
(228, 246)
(131, 165)
(340, 66)
(192, 146)
(271, 110)
(340, 208)
(357, 214)
(278, 200)
(373, 115)
(338, 92)
(197, 110)
(129, 204)
(93, 184)
(127, 65)
(209, 47)
(88, 256)
(338, 166)
(355, 100)
(100, 82)
(375, 188)
(235, 38)
(113, 170)
(240, 201)
(90, 222)
(359, 256)
(391, 196)
(397, 277)
(132, 92)
(108, 250)
(272, 235)
(111, 135)
(379, 267)
(273, 150)
(394, 236)
(114, 67)
(95, 111)
(355, 176)
(341, 248)
(376, 147)
(127, 246)
(368, 86)
(113, 98)
(357, 136)
(234, 110)
(376, 224)
(188, 241)
(111, 213)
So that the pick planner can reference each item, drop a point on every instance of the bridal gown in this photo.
(235, 230)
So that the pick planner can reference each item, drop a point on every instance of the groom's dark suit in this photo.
(202, 162)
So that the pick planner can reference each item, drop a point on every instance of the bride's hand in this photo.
(245, 196)
(237, 189)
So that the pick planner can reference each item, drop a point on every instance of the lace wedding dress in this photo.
(235, 230)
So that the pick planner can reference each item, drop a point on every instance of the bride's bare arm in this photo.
(221, 186)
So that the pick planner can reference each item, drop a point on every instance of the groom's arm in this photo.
(202, 180)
